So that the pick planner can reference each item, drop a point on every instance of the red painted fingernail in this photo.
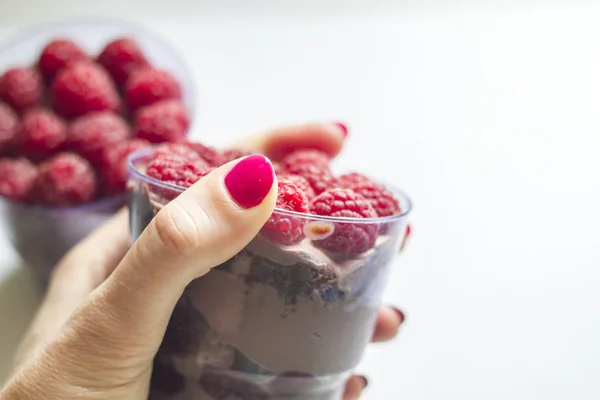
(250, 180)
(365, 381)
(343, 128)
(399, 313)
(406, 236)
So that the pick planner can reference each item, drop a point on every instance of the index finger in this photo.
(277, 143)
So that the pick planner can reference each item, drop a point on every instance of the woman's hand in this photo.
(108, 305)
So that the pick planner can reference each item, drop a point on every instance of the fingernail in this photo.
(399, 313)
(343, 128)
(365, 381)
(250, 180)
(406, 235)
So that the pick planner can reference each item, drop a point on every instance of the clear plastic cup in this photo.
(273, 322)
(43, 235)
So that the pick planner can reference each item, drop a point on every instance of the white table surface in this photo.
(488, 117)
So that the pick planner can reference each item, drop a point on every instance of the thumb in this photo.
(206, 225)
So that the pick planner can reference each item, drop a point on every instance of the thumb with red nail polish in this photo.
(205, 226)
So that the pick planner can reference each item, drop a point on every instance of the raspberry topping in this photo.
(41, 134)
(21, 88)
(347, 237)
(121, 58)
(176, 150)
(149, 86)
(233, 154)
(302, 184)
(279, 170)
(64, 180)
(16, 178)
(8, 128)
(82, 88)
(305, 157)
(313, 165)
(57, 55)
(320, 178)
(382, 200)
(285, 229)
(166, 121)
(178, 171)
(114, 165)
(351, 180)
(209, 154)
(91, 134)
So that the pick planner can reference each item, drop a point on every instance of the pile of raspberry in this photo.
(68, 122)
(306, 184)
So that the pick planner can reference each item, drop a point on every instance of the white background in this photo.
(486, 113)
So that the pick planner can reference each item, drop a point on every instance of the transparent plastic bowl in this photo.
(273, 322)
(42, 235)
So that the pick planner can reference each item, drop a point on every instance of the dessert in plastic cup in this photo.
(289, 316)
(76, 97)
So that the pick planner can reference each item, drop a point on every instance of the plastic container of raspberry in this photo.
(275, 321)
(92, 34)
(43, 235)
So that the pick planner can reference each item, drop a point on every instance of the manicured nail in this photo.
(399, 313)
(343, 128)
(406, 235)
(250, 180)
(365, 381)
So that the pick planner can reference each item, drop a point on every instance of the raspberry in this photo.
(9, 123)
(82, 88)
(166, 121)
(149, 86)
(279, 170)
(177, 171)
(114, 165)
(351, 180)
(313, 165)
(301, 182)
(91, 134)
(57, 55)
(382, 200)
(16, 178)
(347, 237)
(21, 88)
(209, 154)
(41, 134)
(121, 58)
(233, 154)
(65, 180)
(305, 157)
(285, 229)
(176, 150)
(320, 178)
